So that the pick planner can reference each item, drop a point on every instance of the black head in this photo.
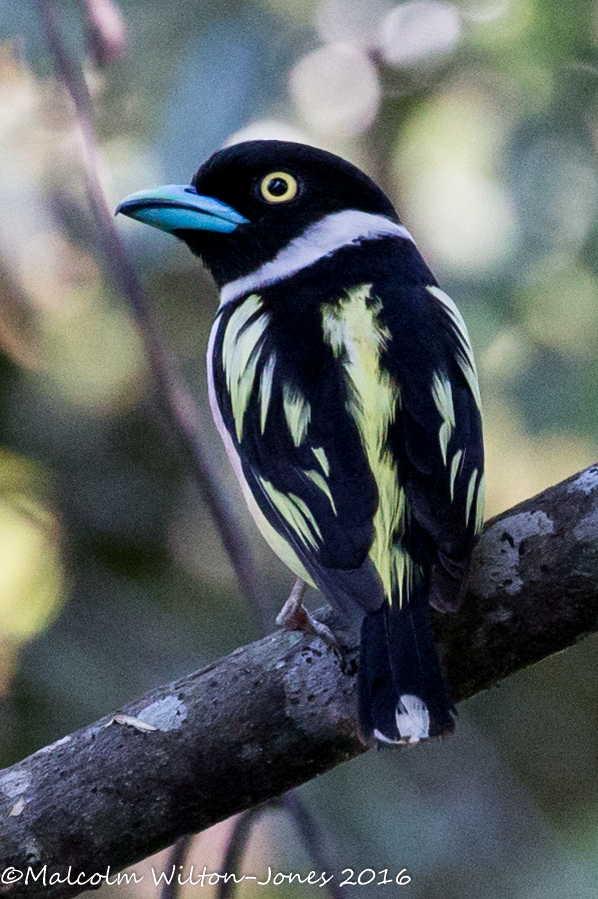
(271, 191)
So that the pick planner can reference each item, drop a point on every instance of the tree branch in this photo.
(278, 712)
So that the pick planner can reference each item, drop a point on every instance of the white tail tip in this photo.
(413, 719)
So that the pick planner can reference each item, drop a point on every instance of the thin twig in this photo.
(176, 404)
(237, 845)
(313, 838)
(105, 31)
(176, 859)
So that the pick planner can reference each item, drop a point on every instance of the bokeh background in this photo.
(480, 119)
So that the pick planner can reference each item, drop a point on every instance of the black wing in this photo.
(438, 434)
(283, 401)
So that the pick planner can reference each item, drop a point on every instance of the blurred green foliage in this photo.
(481, 121)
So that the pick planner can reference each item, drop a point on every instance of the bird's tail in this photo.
(403, 697)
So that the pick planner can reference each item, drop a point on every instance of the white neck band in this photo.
(335, 231)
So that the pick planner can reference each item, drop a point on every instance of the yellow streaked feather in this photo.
(454, 469)
(465, 359)
(297, 412)
(480, 504)
(278, 543)
(266, 389)
(470, 495)
(240, 356)
(321, 482)
(352, 329)
(322, 458)
(443, 399)
(295, 512)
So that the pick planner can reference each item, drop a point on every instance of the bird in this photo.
(343, 383)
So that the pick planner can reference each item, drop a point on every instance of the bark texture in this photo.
(280, 711)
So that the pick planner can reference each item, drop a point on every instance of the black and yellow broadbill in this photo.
(343, 384)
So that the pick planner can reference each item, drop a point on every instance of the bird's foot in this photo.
(295, 617)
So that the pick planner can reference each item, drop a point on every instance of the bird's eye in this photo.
(278, 187)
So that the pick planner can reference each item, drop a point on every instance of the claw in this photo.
(295, 617)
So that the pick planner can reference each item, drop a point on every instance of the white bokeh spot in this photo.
(419, 32)
(336, 89)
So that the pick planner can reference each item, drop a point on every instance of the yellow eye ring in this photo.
(278, 187)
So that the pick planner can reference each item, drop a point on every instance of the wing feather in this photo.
(300, 455)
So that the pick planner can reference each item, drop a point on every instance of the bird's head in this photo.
(247, 202)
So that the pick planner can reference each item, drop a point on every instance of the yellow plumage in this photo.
(352, 328)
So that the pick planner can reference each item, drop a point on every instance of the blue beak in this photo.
(175, 207)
